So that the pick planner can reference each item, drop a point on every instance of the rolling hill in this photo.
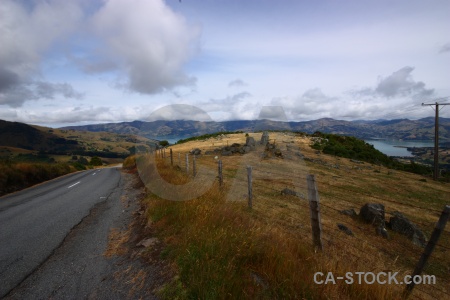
(63, 142)
(422, 129)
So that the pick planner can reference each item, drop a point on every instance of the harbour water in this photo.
(398, 147)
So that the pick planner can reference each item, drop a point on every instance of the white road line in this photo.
(73, 185)
(93, 174)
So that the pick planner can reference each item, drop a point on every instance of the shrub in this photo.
(96, 161)
(17, 176)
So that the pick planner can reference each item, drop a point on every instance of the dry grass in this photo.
(117, 243)
(225, 250)
(17, 176)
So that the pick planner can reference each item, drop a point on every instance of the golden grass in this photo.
(225, 250)
(116, 243)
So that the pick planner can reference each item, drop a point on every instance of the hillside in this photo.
(16, 137)
(20, 135)
(221, 248)
(422, 129)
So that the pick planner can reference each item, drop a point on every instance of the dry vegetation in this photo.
(222, 249)
(17, 176)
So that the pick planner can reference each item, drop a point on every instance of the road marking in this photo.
(93, 174)
(73, 185)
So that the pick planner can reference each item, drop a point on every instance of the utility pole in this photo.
(436, 137)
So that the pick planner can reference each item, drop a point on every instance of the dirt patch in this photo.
(139, 271)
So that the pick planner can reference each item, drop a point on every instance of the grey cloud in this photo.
(8, 79)
(272, 113)
(312, 103)
(239, 96)
(445, 48)
(47, 90)
(400, 83)
(237, 83)
(28, 30)
(149, 42)
(179, 112)
(14, 95)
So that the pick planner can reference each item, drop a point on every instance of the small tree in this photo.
(96, 161)
(164, 143)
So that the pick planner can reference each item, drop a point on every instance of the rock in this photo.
(250, 142)
(290, 192)
(287, 191)
(226, 153)
(356, 161)
(345, 229)
(299, 155)
(381, 230)
(246, 149)
(399, 223)
(236, 145)
(148, 242)
(372, 213)
(196, 151)
(209, 152)
(278, 153)
(348, 212)
(264, 138)
(292, 148)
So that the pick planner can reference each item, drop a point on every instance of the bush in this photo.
(129, 162)
(96, 161)
(17, 176)
(164, 143)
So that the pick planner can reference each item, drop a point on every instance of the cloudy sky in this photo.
(91, 61)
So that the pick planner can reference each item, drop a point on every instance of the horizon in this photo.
(245, 120)
(122, 60)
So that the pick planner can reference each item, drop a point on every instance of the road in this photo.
(36, 222)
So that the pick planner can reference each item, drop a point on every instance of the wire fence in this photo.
(282, 193)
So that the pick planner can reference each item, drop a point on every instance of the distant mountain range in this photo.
(422, 129)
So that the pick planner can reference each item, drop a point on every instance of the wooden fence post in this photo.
(314, 208)
(179, 159)
(164, 153)
(171, 157)
(440, 225)
(220, 173)
(250, 191)
(187, 163)
(194, 166)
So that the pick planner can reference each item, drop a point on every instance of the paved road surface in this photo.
(36, 221)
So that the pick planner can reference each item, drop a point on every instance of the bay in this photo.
(398, 147)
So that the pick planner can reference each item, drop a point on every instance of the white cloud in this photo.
(148, 43)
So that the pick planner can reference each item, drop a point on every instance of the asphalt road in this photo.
(37, 221)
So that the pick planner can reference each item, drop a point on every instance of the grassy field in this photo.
(223, 249)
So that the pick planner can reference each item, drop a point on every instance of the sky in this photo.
(96, 61)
